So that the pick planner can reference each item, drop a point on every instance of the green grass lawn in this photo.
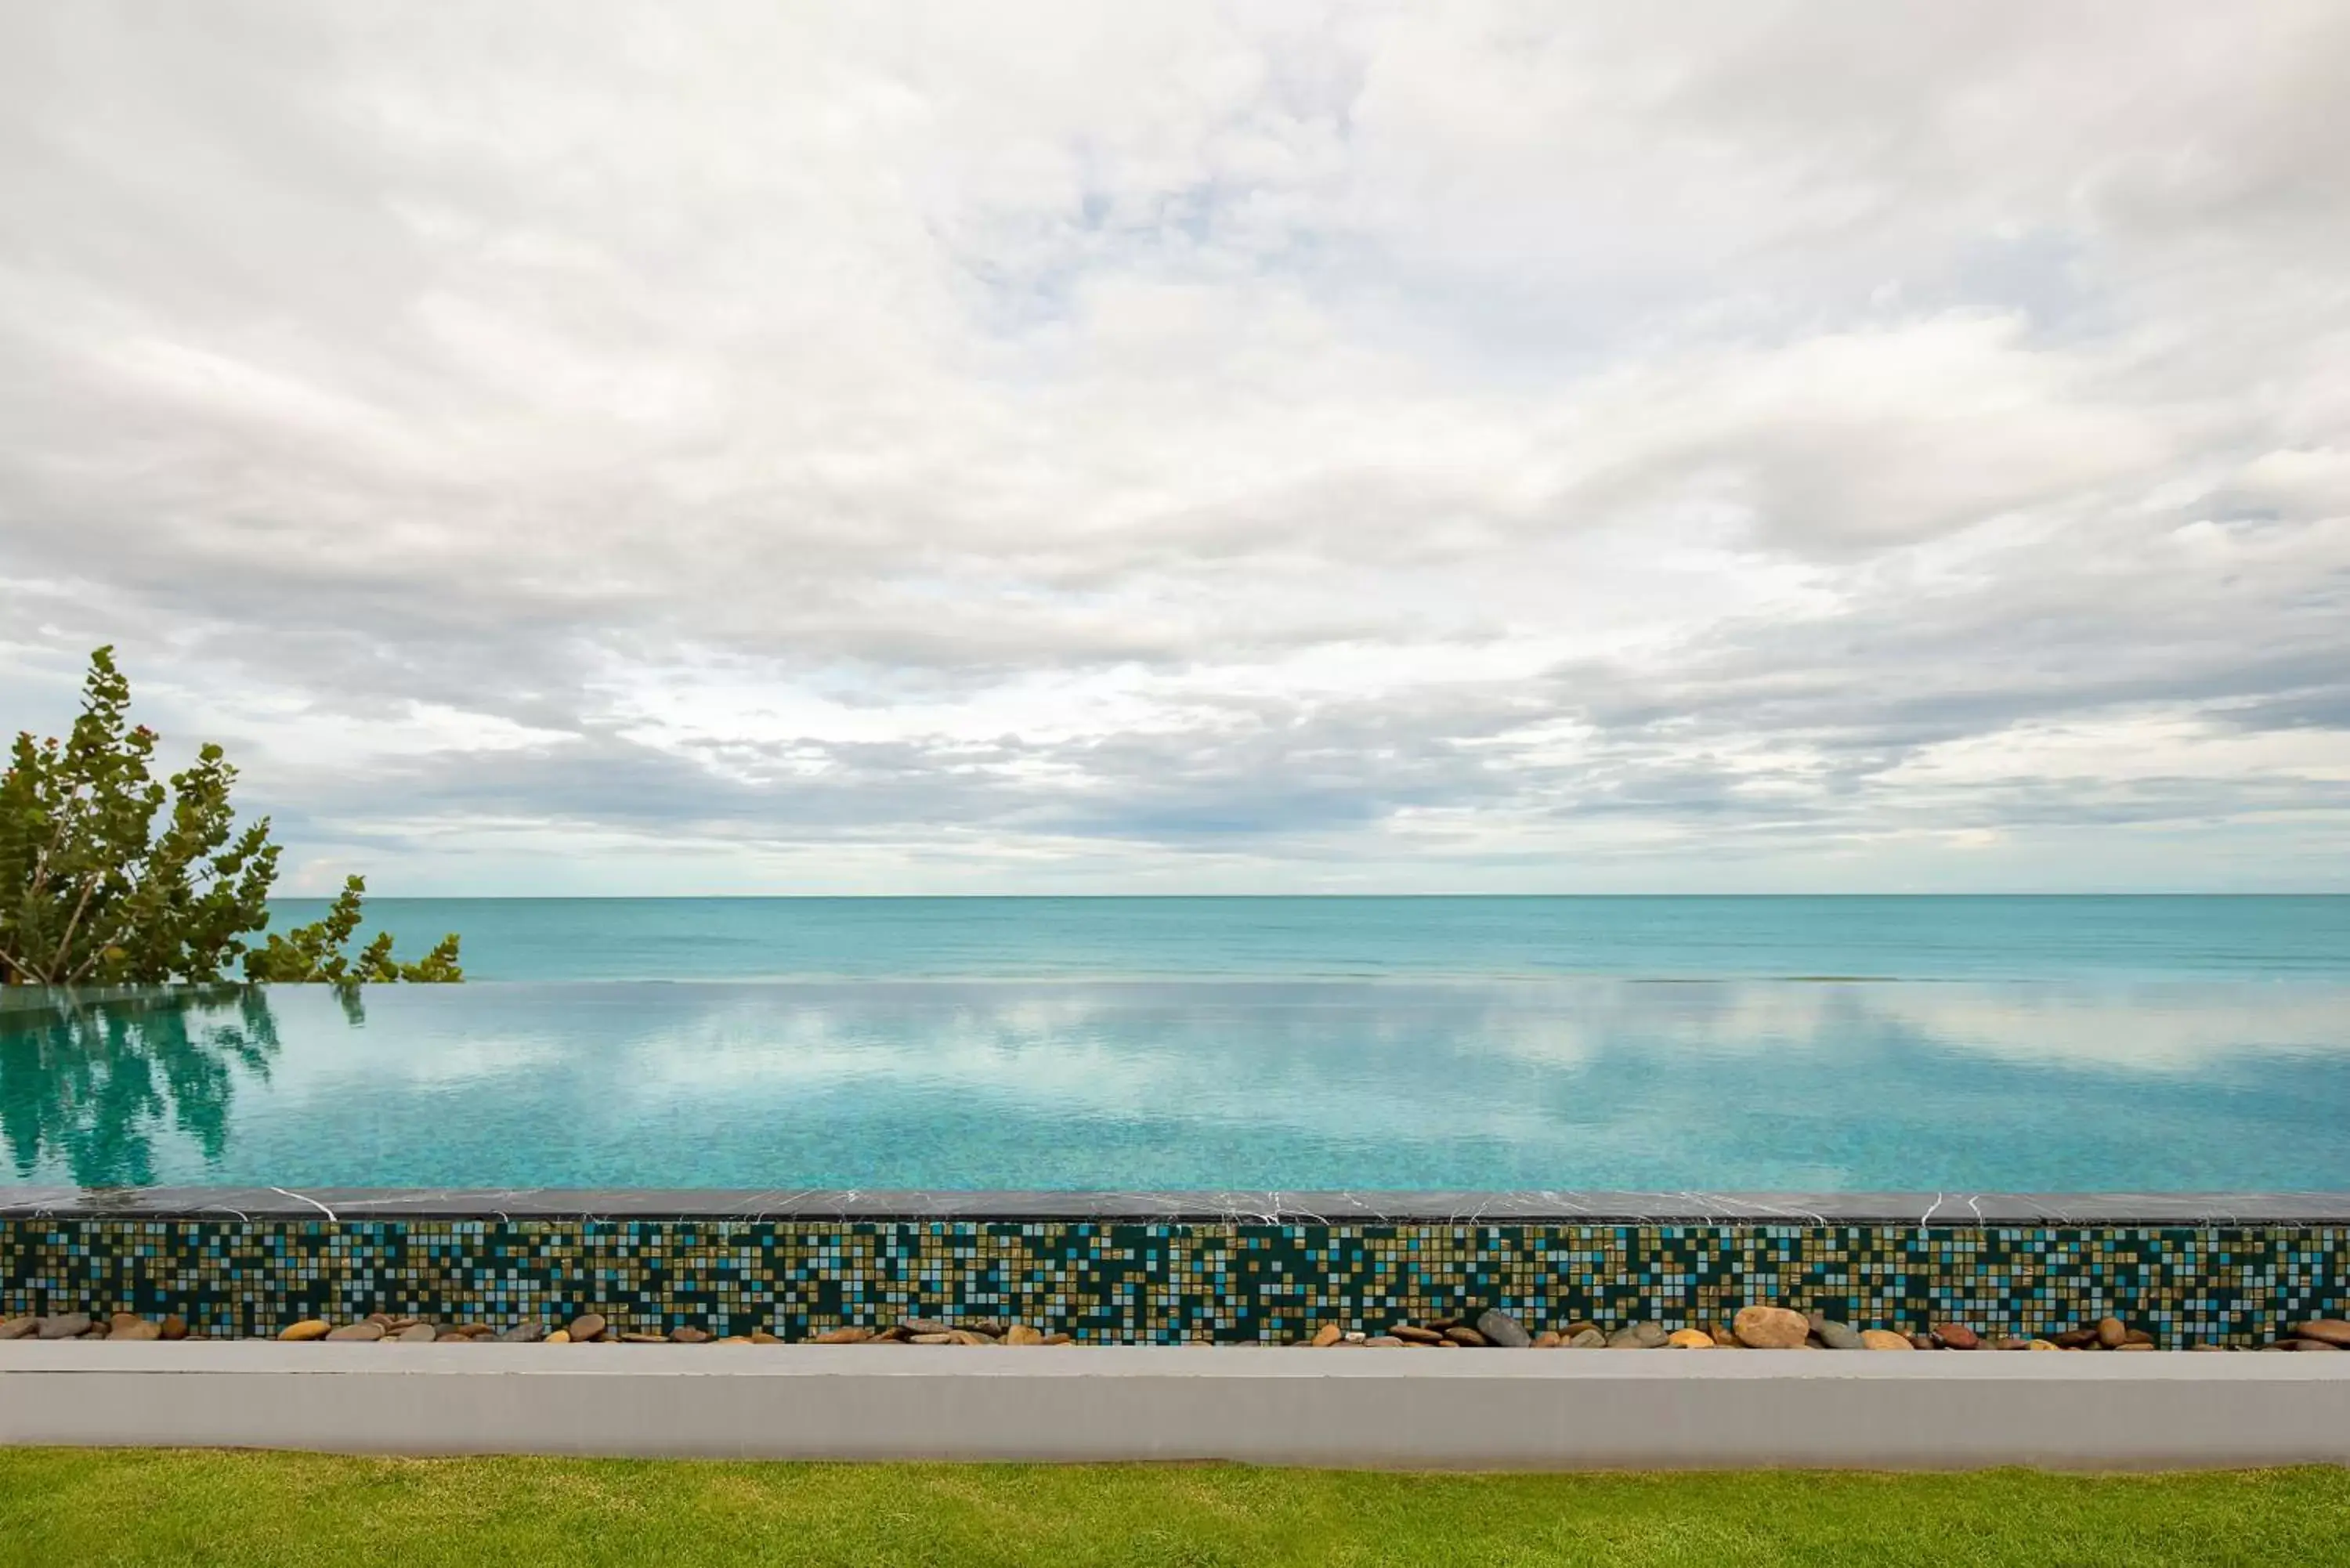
(61, 1507)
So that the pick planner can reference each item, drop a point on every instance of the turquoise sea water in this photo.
(2023, 1045)
(900, 938)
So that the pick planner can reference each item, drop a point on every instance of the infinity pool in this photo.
(1392, 1084)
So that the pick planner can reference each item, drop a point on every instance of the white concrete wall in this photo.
(1510, 1409)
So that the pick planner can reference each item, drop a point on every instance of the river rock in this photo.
(1058, 1338)
(761, 1336)
(357, 1333)
(1924, 1341)
(1328, 1334)
(2331, 1330)
(946, 1337)
(522, 1334)
(560, 1337)
(2311, 1345)
(64, 1325)
(1770, 1328)
(1688, 1339)
(308, 1328)
(1884, 1339)
(1385, 1342)
(174, 1326)
(19, 1327)
(1462, 1334)
(1411, 1334)
(1646, 1334)
(1958, 1336)
(1500, 1328)
(2112, 1333)
(417, 1333)
(1838, 1335)
(689, 1336)
(927, 1325)
(1021, 1333)
(2043, 1345)
(1548, 1339)
(587, 1328)
(138, 1328)
(851, 1333)
(1587, 1339)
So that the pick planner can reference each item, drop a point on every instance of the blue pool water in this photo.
(2111, 1083)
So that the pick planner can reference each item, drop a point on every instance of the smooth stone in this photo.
(1838, 1335)
(1646, 1334)
(137, 1329)
(850, 1334)
(1462, 1334)
(174, 1326)
(927, 1325)
(560, 1337)
(1689, 1339)
(1500, 1328)
(1770, 1328)
(1383, 1339)
(1957, 1336)
(2137, 1336)
(1021, 1333)
(308, 1328)
(691, 1336)
(1058, 1339)
(1589, 1339)
(19, 1327)
(357, 1333)
(587, 1327)
(2297, 1345)
(1923, 1341)
(946, 1337)
(1884, 1339)
(1571, 1330)
(1547, 1340)
(970, 1337)
(522, 1334)
(2042, 1344)
(65, 1326)
(417, 1333)
(2112, 1333)
(1329, 1333)
(640, 1337)
(761, 1336)
(1412, 1335)
(2331, 1330)
(2133, 1345)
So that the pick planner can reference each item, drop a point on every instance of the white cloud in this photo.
(1272, 447)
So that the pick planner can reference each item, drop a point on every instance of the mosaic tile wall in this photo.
(1106, 1281)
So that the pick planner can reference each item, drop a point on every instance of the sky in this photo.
(754, 448)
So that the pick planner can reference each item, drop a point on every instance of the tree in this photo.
(93, 891)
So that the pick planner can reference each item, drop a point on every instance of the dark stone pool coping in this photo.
(1926, 1209)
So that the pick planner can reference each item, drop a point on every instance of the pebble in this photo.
(1410, 1335)
(1923, 1341)
(587, 1327)
(927, 1325)
(691, 1336)
(1500, 1328)
(358, 1333)
(1329, 1333)
(522, 1334)
(1461, 1333)
(308, 1328)
(2329, 1330)
(854, 1334)
(1689, 1339)
(1588, 1339)
(1546, 1340)
(969, 1336)
(761, 1336)
(1884, 1339)
(640, 1337)
(2112, 1333)
(560, 1337)
(945, 1337)
(138, 1328)
(2134, 1344)
(2315, 1344)
(1770, 1328)
(19, 1327)
(2040, 1344)
(174, 1326)
(1644, 1335)
(417, 1333)
(1021, 1333)
(1958, 1336)
(64, 1325)
(1383, 1340)
(1838, 1335)
(1058, 1339)
(1571, 1330)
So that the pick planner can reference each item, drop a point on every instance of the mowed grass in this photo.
(61, 1507)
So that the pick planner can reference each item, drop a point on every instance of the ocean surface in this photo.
(2026, 1044)
(997, 938)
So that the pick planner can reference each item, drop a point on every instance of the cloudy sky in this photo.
(731, 447)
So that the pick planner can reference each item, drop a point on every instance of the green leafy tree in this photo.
(111, 877)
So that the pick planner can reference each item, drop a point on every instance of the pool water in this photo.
(2112, 1082)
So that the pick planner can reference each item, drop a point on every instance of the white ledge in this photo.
(1385, 1408)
